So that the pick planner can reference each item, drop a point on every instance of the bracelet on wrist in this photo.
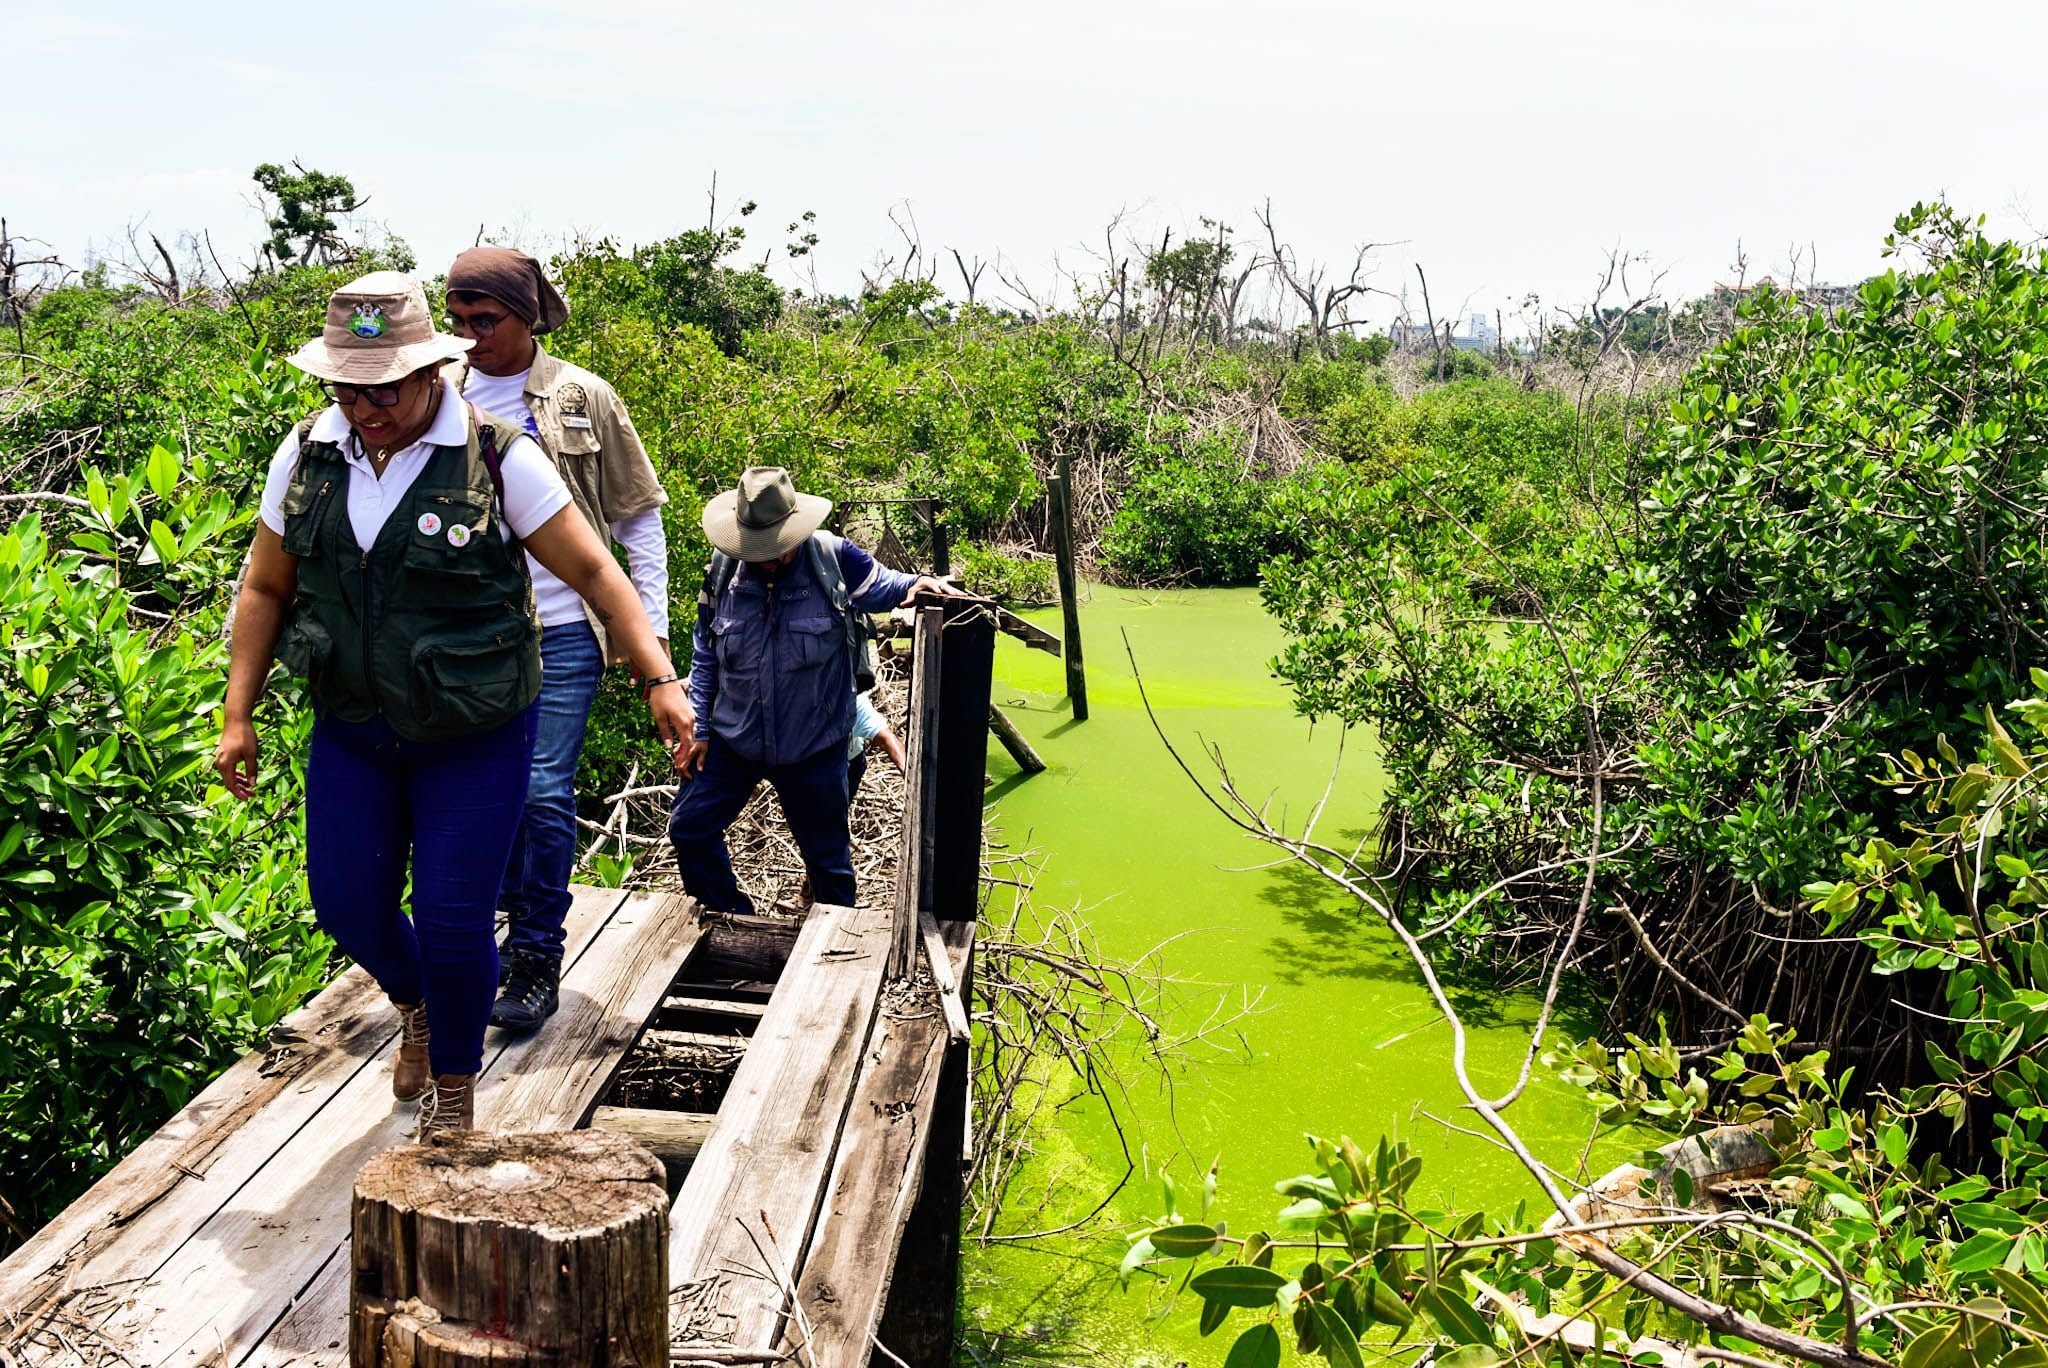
(648, 686)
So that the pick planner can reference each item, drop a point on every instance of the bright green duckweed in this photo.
(1346, 1040)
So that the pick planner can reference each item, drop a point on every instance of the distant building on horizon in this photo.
(1480, 335)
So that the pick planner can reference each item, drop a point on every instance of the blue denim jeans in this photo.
(373, 799)
(814, 799)
(535, 897)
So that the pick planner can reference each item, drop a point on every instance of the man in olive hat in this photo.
(501, 300)
(772, 676)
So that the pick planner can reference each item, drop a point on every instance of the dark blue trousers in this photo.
(379, 806)
(814, 799)
(535, 898)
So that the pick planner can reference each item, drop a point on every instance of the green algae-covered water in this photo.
(1345, 1039)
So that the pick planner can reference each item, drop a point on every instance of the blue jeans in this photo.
(373, 799)
(535, 897)
(814, 799)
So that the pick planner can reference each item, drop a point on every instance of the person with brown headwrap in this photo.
(501, 300)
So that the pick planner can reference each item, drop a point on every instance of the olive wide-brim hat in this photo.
(379, 329)
(763, 518)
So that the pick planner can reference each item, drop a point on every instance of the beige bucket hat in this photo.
(764, 517)
(379, 329)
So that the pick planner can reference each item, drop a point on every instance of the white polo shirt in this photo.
(534, 491)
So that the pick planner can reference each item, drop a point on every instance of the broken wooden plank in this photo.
(1030, 633)
(1013, 741)
(684, 1005)
(693, 1040)
(676, 1138)
(746, 1210)
(941, 963)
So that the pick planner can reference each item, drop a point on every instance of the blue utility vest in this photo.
(785, 669)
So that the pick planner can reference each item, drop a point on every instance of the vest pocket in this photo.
(304, 502)
(304, 647)
(470, 678)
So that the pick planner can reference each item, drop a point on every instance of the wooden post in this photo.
(942, 547)
(959, 759)
(500, 1249)
(914, 866)
(1070, 599)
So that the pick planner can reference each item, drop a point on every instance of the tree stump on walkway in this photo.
(544, 1250)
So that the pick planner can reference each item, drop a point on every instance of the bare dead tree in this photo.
(970, 280)
(1429, 316)
(1327, 304)
(17, 292)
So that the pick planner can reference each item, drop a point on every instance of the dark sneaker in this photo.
(528, 995)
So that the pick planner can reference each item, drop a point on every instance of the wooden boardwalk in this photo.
(222, 1241)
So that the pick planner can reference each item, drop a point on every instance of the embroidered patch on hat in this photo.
(367, 320)
(458, 534)
(429, 524)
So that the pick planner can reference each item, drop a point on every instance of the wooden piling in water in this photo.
(1060, 488)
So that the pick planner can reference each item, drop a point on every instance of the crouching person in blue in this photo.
(772, 682)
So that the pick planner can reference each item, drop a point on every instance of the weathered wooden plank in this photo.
(676, 1138)
(875, 1179)
(745, 1212)
(552, 1081)
(127, 1223)
(546, 1081)
(215, 1283)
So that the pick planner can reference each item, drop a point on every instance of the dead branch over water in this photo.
(1347, 872)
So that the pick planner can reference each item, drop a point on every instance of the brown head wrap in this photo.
(515, 280)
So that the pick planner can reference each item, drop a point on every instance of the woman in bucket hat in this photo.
(387, 569)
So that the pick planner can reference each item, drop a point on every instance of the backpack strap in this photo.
(487, 447)
(824, 553)
(718, 574)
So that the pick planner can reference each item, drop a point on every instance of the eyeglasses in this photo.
(381, 396)
(482, 325)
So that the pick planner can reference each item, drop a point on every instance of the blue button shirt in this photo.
(770, 674)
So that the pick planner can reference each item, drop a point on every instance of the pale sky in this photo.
(1506, 146)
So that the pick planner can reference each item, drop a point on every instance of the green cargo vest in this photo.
(433, 626)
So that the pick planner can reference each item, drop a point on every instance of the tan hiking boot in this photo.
(451, 1106)
(409, 1077)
